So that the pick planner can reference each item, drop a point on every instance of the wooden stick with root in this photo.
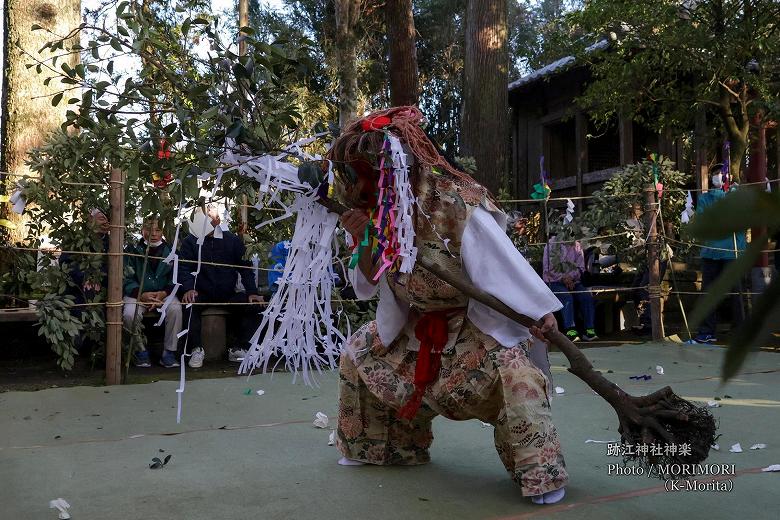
(681, 431)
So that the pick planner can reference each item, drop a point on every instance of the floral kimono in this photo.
(480, 366)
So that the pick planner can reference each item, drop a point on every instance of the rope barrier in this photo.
(702, 246)
(138, 255)
(506, 201)
(68, 183)
(36, 303)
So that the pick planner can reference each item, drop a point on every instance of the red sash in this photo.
(432, 330)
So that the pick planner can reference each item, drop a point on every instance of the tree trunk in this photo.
(737, 125)
(757, 172)
(28, 115)
(485, 124)
(345, 51)
(404, 88)
(243, 202)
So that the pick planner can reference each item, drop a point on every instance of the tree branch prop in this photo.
(661, 418)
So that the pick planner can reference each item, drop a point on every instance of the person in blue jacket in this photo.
(278, 257)
(216, 284)
(716, 255)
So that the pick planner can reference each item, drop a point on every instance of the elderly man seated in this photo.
(147, 289)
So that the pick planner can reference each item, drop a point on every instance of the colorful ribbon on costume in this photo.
(431, 331)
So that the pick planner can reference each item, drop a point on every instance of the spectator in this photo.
(82, 288)
(716, 255)
(563, 265)
(157, 285)
(777, 254)
(216, 284)
(278, 256)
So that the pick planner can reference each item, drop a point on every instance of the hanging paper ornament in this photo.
(688, 211)
(18, 201)
(540, 192)
(768, 186)
(161, 180)
(542, 189)
(654, 160)
(569, 216)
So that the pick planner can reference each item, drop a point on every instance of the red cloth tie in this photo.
(432, 330)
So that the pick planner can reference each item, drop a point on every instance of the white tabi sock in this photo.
(551, 497)
(343, 461)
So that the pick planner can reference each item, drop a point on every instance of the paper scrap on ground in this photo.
(713, 404)
(773, 467)
(332, 438)
(485, 425)
(736, 448)
(260, 392)
(559, 390)
(759, 446)
(60, 505)
(593, 441)
(659, 369)
(716, 447)
(321, 420)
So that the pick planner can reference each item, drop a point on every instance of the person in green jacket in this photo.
(157, 285)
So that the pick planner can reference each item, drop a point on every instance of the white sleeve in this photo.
(497, 268)
(391, 314)
(364, 289)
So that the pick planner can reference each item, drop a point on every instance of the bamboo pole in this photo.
(243, 21)
(115, 275)
(653, 263)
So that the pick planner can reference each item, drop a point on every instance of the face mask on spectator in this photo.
(717, 180)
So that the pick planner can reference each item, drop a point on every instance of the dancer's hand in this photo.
(255, 298)
(546, 324)
(354, 221)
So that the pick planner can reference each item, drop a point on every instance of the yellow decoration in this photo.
(4, 198)
(7, 223)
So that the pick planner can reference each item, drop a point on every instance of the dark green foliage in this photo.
(745, 208)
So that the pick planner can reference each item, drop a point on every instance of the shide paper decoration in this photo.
(569, 216)
(298, 325)
(688, 212)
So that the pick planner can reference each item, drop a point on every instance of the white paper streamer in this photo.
(62, 506)
(297, 323)
(569, 216)
(404, 206)
(688, 211)
(18, 201)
